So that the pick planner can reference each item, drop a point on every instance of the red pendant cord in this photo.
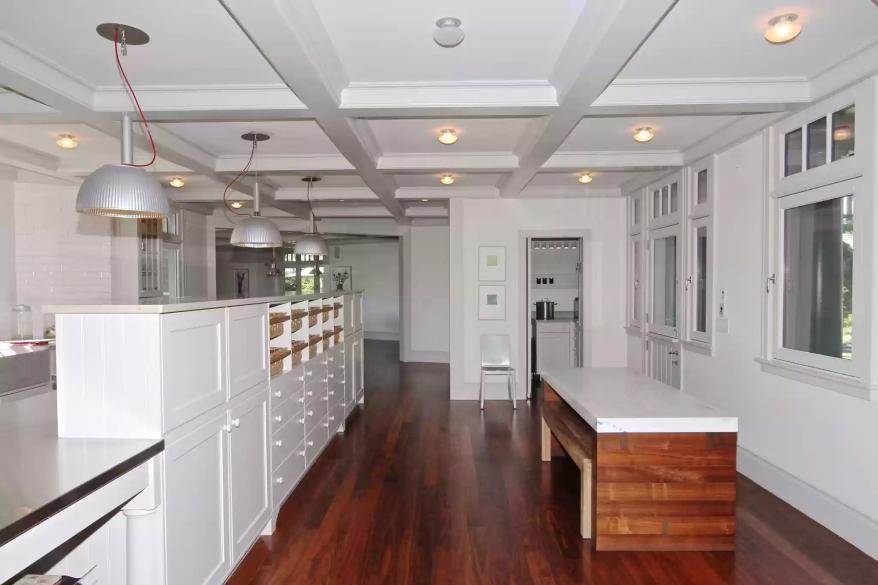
(235, 180)
(136, 102)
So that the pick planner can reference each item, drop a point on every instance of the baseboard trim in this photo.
(425, 357)
(382, 335)
(851, 525)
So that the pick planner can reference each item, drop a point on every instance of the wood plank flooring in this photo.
(420, 490)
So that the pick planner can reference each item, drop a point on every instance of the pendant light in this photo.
(311, 242)
(256, 231)
(124, 190)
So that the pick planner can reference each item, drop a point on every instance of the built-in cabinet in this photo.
(556, 344)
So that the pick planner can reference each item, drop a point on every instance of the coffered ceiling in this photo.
(357, 92)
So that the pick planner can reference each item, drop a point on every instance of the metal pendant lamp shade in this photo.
(311, 243)
(122, 190)
(256, 231)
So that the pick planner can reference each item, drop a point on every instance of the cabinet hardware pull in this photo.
(227, 428)
(278, 394)
(279, 480)
(324, 398)
(310, 393)
(309, 373)
(302, 452)
(331, 376)
(326, 424)
(301, 378)
(324, 380)
(673, 352)
(278, 418)
(332, 418)
(331, 393)
(236, 422)
(769, 282)
(279, 443)
(302, 399)
(331, 359)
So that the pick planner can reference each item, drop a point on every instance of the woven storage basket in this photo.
(279, 353)
(278, 318)
(277, 367)
(275, 330)
(299, 313)
(295, 325)
(312, 320)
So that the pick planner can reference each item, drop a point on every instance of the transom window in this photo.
(814, 146)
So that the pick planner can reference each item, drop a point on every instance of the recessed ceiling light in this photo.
(237, 204)
(446, 179)
(783, 28)
(341, 200)
(585, 178)
(67, 141)
(425, 200)
(448, 33)
(447, 136)
(644, 134)
(176, 182)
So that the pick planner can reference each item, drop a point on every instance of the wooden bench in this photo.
(577, 439)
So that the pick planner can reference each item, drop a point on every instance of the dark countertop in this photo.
(41, 474)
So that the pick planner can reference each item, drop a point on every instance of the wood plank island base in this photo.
(654, 487)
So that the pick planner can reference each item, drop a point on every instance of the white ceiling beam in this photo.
(460, 98)
(10, 151)
(352, 211)
(604, 38)
(569, 191)
(291, 37)
(447, 192)
(485, 162)
(427, 212)
(612, 159)
(326, 194)
(268, 163)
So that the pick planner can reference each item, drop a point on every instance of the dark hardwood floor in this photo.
(423, 490)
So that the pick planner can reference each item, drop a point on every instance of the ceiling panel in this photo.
(224, 138)
(192, 42)
(392, 40)
(719, 38)
(671, 132)
(460, 180)
(474, 134)
(600, 179)
(326, 181)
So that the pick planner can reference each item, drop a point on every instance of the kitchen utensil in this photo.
(545, 310)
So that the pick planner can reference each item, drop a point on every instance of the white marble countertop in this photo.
(616, 400)
(160, 305)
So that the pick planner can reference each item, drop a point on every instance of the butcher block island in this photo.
(658, 464)
(245, 393)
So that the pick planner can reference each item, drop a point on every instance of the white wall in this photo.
(196, 240)
(7, 257)
(493, 222)
(61, 256)
(811, 446)
(256, 261)
(375, 269)
(425, 294)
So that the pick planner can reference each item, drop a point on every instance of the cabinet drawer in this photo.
(314, 392)
(314, 368)
(284, 413)
(291, 434)
(314, 414)
(314, 443)
(287, 474)
(335, 418)
(285, 387)
(335, 396)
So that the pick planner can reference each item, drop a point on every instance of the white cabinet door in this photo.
(248, 347)
(196, 504)
(193, 364)
(357, 359)
(554, 351)
(350, 392)
(248, 469)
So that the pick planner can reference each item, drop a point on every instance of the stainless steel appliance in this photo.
(545, 310)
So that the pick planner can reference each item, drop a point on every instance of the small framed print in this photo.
(492, 263)
(492, 302)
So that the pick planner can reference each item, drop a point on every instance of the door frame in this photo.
(524, 325)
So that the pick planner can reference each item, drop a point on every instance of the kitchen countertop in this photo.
(616, 400)
(41, 474)
(160, 305)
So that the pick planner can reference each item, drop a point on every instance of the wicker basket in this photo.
(299, 313)
(312, 320)
(295, 325)
(277, 367)
(278, 353)
(337, 338)
(297, 357)
(314, 339)
(274, 318)
(338, 329)
(275, 330)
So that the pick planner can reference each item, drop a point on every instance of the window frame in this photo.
(657, 328)
(297, 263)
(699, 215)
(860, 347)
(671, 217)
(692, 334)
(635, 279)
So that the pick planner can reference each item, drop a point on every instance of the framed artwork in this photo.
(492, 302)
(342, 278)
(242, 283)
(492, 263)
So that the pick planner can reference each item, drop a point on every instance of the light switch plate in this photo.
(722, 325)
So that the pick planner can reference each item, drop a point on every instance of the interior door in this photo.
(196, 504)
(248, 469)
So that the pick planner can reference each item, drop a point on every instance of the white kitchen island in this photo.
(663, 462)
(245, 393)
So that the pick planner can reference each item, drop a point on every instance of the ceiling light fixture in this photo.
(783, 28)
(425, 200)
(176, 182)
(67, 141)
(447, 136)
(448, 33)
(124, 190)
(585, 178)
(644, 134)
(447, 179)
(237, 204)
(255, 231)
(311, 242)
(843, 133)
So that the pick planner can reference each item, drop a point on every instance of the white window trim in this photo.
(635, 289)
(660, 329)
(671, 218)
(855, 367)
(692, 334)
(635, 228)
(706, 208)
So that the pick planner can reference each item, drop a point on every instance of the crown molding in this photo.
(429, 161)
(697, 91)
(268, 163)
(613, 159)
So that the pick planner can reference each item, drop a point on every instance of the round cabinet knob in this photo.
(236, 422)
(332, 418)
(302, 452)
(301, 378)
(302, 399)
(310, 413)
(309, 373)
(227, 428)
(331, 359)
(309, 443)
(326, 424)
(278, 418)
(278, 443)
(278, 394)
(324, 398)
(302, 420)
(324, 379)
(331, 376)
(331, 393)
(310, 393)
(278, 480)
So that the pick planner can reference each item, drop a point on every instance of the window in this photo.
(635, 219)
(814, 146)
(793, 152)
(843, 133)
(698, 284)
(665, 281)
(816, 278)
(636, 298)
(303, 274)
(701, 187)
(665, 203)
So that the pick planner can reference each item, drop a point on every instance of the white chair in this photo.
(496, 361)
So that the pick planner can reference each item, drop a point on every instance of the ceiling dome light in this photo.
(176, 182)
(644, 134)
(67, 141)
(122, 191)
(256, 231)
(783, 28)
(585, 178)
(425, 200)
(447, 179)
(447, 136)
(312, 242)
(448, 33)
(237, 204)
